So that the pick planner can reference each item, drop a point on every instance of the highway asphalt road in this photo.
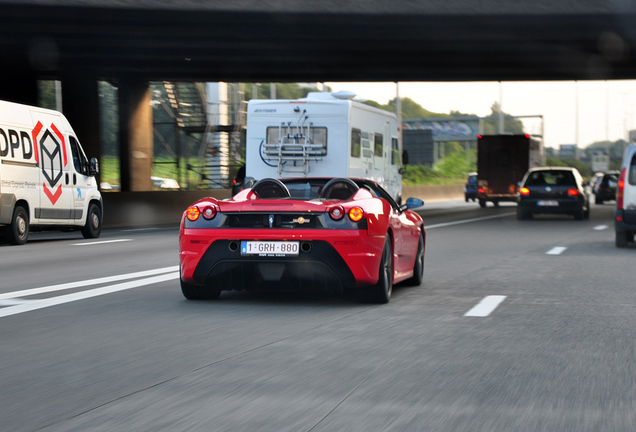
(518, 326)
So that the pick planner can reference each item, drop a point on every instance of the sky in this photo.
(606, 109)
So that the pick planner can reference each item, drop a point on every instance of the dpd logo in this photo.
(52, 158)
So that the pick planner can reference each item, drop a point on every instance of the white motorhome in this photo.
(46, 181)
(323, 135)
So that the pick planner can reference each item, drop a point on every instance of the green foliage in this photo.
(451, 170)
(283, 91)
(584, 168)
(108, 120)
(511, 125)
(410, 108)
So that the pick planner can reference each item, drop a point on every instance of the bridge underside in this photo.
(135, 43)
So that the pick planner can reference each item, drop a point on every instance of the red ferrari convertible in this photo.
(302, 234)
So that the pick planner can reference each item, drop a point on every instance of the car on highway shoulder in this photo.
(604, 188)
(470, 188)
(553, 190)
(625, 215)
(324, 234)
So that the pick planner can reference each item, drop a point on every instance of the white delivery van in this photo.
(625, 215)
(323, 135)
(46, 181)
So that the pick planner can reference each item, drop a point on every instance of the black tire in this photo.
(18, 232)
(466, 198)
(598, 201)
(622, 238)
(579, 214)
(482, 203)
(523, 214)
(418, 266)
(93, 226)
(381, 292)
(195, 292)
(495, 203)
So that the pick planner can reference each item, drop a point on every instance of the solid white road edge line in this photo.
(102, 242)
(439, 225)
(484, 307)
(13, 302)
(139, 229)
(600, 227)
(40, 304)
(558, 250)
(97, 281)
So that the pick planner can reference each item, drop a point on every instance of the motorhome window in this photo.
(395, 152)
(377, 149)
(355, 142)
(365, 135)
(298, 135)
(632, 171)
(367, 153)
(366, 143)
(79, 160)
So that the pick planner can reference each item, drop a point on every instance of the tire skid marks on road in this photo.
(22, 306)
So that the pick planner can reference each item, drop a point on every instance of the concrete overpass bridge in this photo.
(133, 42)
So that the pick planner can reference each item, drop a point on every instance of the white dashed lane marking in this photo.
(102, 242)
(485, 306)
(600, 227)
(558, 250)
(459, 222)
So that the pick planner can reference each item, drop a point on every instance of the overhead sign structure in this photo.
(446, 129)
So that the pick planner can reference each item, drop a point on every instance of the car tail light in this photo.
(208, 212)
(337, 212)
(573, 192)
(356, 214)
(524, 191)
(481, 190)
(620, 191)
(193, 213)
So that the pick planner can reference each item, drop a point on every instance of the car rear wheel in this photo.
(523, 214)
(381, 292)
(195, 292)
(482, 203)
(418, 267)
(579, 214)
(598, 201)
(623, 238)
(18, 231)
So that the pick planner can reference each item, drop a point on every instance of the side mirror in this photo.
(405, 157)
(412, 203)
(93, 167)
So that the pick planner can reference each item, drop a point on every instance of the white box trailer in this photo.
(46, 181)
(323, 135)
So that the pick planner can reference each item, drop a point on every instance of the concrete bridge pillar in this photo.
(135, 134)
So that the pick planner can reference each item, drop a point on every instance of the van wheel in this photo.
(622, 237)
(381, 292)
(93, 226)
(18, 231)
(482, 203)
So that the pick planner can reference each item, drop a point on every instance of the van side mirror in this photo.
(93, 167)
(405, 157)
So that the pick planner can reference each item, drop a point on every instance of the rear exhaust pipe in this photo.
(305, 246)
(233, 246)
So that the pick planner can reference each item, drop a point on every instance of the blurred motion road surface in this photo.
(96, 345)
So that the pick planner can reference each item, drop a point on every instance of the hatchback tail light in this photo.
(620, 190)
(524, 191)
(573, 192)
